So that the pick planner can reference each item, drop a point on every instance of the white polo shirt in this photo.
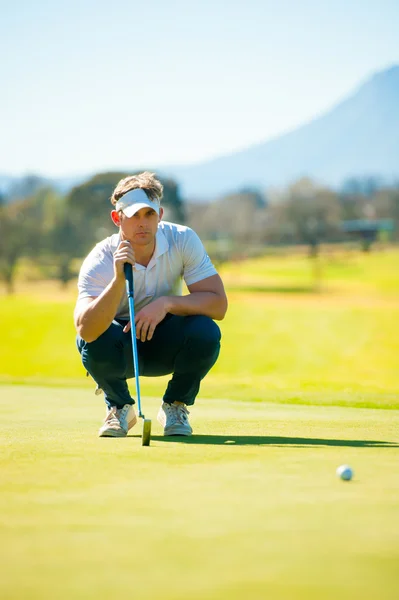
(179, 254)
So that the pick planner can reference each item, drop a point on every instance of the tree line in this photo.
(55, 231)
(304, 213)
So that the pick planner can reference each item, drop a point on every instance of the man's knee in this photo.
(203, 331)
(105, 344)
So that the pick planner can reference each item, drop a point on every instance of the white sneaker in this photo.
(118, 421)
(174, 419)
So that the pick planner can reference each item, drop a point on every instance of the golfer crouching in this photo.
(175, 334)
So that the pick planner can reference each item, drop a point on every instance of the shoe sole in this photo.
(116, 433)
(177, 430)
(112, 433)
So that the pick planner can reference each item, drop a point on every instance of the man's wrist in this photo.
(118, 285)
(168, 304)
(119, 279)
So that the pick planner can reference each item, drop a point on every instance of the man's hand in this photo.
(148, 318)
(124, 254)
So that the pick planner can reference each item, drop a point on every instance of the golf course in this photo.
(248, 507)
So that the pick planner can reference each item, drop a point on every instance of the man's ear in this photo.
(116, 218)
(160, 213)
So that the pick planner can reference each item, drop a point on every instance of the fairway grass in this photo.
(249, 507)
(305, 350)
(281, 341)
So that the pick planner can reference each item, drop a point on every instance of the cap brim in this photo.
(131, 210)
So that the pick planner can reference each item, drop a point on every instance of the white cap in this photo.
(131, 202)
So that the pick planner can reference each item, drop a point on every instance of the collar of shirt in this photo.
(161, 246)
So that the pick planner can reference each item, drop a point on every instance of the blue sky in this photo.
(93, 85)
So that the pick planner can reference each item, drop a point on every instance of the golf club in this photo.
(146, 437)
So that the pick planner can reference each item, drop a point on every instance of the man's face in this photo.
(141, 228)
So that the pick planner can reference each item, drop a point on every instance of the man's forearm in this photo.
(96, 317)
(198, 303)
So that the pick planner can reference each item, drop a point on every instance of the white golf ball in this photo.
(345, 472)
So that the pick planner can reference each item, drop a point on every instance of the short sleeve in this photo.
(196, 263)
(95, 274)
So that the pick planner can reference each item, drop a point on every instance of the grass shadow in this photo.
(265, 440)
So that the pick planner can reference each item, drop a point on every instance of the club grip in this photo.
(128, 269)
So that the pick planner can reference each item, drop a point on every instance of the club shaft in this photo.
(130, 295)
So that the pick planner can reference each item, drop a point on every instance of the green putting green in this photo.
(249, 507)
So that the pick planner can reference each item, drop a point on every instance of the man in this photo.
(175, 334)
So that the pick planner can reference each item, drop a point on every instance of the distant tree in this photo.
(386, 205)
(19, 235)
(64, 244)
(239, 217)
(9, 250)
(26, 187)
(312, 212)
(38, 216)
(172, 202)
(90, 207)
(357, 196)
(258, 198)
(27, 227)
(312, 215)
(362, 186)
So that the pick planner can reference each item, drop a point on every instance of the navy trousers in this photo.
(187, 347)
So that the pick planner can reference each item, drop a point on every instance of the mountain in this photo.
(6, 182)
(358, 137)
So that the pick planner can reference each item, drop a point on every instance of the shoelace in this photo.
(171, 413)
(182, 413)
(122, 412)
(111, 416)
(115, 415)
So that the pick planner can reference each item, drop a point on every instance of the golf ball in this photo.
(345, 472)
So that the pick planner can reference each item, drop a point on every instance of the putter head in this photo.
(146, 437)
